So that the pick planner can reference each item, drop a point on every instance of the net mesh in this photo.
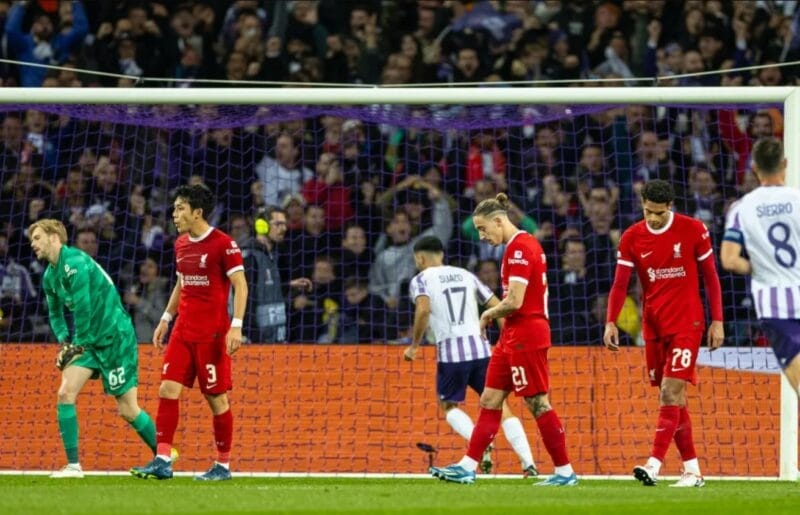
(358, 183)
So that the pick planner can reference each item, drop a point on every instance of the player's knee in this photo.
(671, 397)
(219, 403)
(447, 405)
(169, 390)
(66, 395)
(491, 401)
(538, 405)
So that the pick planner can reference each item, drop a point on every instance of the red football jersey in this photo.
(525, 261)
(203, 266)
(666, 262)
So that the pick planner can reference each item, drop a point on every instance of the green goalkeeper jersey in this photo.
(78, 283)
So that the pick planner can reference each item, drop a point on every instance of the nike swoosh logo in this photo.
(645, 254)
(179, 260)
(679, 369)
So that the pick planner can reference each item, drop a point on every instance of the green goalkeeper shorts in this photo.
(115, 361)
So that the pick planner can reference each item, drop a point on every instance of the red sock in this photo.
(166, 424)
(684, 440)
(668, 418)
(223, 436)
(484, 432)
(553, 437)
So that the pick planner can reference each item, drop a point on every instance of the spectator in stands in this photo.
(86, 240)
(328, 190)
(45, 43)
(362, 315)
(225, 160)
(71, 194)
(146, 297)
(601, 237)
(295, 207)
(315, 316)
(593, 173)
(40, 142)
(394, 256)
(306, 244)
(23, 186)
(188, 52)
(18, 297)
(356, 256)
(11, 139)
(284, 173)
(572, 289)
(704, 201)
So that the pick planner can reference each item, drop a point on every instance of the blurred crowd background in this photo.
(357, 193)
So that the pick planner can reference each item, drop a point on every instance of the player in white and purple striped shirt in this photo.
(766, 223)
(446, 299)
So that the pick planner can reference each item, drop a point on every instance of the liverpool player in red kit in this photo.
(203, 339)
(666, 249)
(519, 361)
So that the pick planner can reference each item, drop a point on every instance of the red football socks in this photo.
(484, 432)
(223, 436)
(668, 419)
(553, 437)
(166, 424)
(683, 436)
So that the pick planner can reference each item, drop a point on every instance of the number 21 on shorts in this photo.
(518, 377)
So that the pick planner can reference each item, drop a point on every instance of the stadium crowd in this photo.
(356, 194)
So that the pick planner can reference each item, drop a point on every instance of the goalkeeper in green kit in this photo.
(104, 344)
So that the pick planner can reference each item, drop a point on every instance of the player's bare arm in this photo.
(233, 340)
(511, 303)
(422, 315)
(730, 255)
(169, 314)
(492, 302)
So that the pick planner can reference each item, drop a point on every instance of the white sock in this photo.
(564, 470)
(515, 434)
(227, 466)
(460, 422)
(655, 464)
(692, 466)
(168, 459)
(468, 464)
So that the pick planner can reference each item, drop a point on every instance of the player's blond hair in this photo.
(486, 208)
(50, 226)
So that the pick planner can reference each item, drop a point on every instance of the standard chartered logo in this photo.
(665, 273)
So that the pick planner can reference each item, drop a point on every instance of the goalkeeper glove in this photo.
(67, 355)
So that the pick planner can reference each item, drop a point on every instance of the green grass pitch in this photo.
(119, 495)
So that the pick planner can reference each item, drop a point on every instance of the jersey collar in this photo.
(202, 236)
(514, 236)
(663, 229)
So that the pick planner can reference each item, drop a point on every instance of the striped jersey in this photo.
(454, 295)
(766, 222)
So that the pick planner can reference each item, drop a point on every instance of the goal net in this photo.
(360, 175)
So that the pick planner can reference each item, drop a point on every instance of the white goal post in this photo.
(788, 96)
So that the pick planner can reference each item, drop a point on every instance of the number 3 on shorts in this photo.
(212, 374)
(518, 377)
